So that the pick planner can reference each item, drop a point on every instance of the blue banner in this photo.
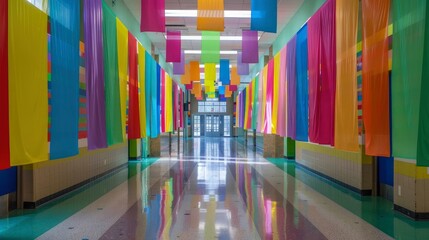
(302, 85)
(263, 15)
(65, 32)
(148, 81)
(7, 181)
(224, 75)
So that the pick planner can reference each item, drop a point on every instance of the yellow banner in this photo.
(276, 90)
(142, 94)
(28, 83)
(168, 103)
(122, 38)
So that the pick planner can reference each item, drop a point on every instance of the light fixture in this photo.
(217, 66)
(224, 52)
(194, 13)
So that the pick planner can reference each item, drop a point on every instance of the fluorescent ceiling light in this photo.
(222, 38)
(217, 66)
(221, 52)
(194, 13)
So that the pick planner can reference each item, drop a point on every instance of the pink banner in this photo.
(152, 16)
(163, 112)
(174, 47)
(269, 102)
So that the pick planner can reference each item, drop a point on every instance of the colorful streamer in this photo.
(276, 90)
(4, 88)
(210, 47)
(194, 71)
(152, 17)
(346, 118)
(302, 85)
(210, 15)
(255, 105)
(242, 68)
(174, 46)
(133, 89)
(249, 45)
(149, 78)
(111, 78)
(291, 87)
(283, 96)
(122, 41)
(375, 74)
(269, 99)
(28, 100)
(179, 67)
(263, 15)
(235, 78)
(224, 75)
(142, 93)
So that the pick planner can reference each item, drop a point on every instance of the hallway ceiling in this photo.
(233, 26)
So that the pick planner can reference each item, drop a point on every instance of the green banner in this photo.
(210, 47)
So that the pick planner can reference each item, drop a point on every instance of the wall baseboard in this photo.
(414, 215)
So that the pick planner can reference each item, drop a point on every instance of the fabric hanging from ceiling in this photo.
(65, 33)
(133, 89)
(179, 67)
(173, 46)
(181, 108)
(168, 103)
(250, 114)
(375, 74)
(156, 99)
(210, 15)
(246, 106)
(175, 103)
(255, 104)
(152, 17)
(276, 89)
(228, 93)
(148, 79)
(122, 42)
(4, 94)
(224, 74)
(210, 47)
(423, 132)
(235, 78)
(242, 108)
(408, 42)
(346, 115)
(142, 92)
(194, 71)
(249, 46)
(185, 79)
(242, 68)
(263, 15)
(209, 74)
(322, 74)
(28, 100)
(237, 111)
(111, 77)
(222, 90)
(269, 73)
(263, 78)
(283, 91)
(94, 74)
(291, 88)
(163, 102)
(302, 85)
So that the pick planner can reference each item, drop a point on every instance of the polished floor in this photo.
(212, 188)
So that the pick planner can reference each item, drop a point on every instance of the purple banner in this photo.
(291, 87)
(242, 68)
(152, 16)
(179, 67)
(174, 46)
(249, 46)
(94, 74)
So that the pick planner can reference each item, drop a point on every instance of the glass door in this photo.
(197, 126)
(208, 125)
(226, 126)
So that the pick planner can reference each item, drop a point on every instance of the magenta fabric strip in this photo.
(269, 103)
(260, 98)
(179, 67)
(152, 16)
(291, 88)
(242, 68)
(174, 47)
(282, 106)
(249, 46)
(94, 74)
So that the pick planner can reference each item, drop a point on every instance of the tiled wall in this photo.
(46, 178)
(353, 169)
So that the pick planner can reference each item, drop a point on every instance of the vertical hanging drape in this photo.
(194, 71)
(263, 79)
(408, 42)
(163, 102)
(242, 108)
(65, 32)
(242, 68)
(346, 115)
(255, 107)
(423, 132)
(322, 65)
(237, 111)
(269, 73)
(168, 103)
(179, 67)
(111, 77)
(302, 85)
(246, 107)
(122, 42)
(210, 47)
(28, 74)
(210, 15)
(249, 46)
(375, 74)
(263, 15)
(224, 74)
(4, 94)
(152, 17)
(173, 46)
(283, 91)
(149, 78)
(276, 91)
(133, 89)
(158, 100)
(235, 78)
(291, 88)
(142, 92)
(94, 74)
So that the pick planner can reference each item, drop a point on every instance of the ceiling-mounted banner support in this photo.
(249, 46)
(152, 16)
(263, 15)
(173, 46)
(210, 15)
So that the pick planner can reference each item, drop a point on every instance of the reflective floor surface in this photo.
(212, 188)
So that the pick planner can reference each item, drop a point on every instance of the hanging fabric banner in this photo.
(222, 90)
(224, 74)
(64, 78)
(263, 78)
(263, 15)
(249, 106)
(346, 118)
(408, 42)
(152, 17)
(189, 86)
(111, 77)
(185, 79)
(375, 77)
(242, 68)
(255, 106)
(142, 92)
(175, 104)
(179, 67)
(228, 92)
(163, 102)
(260, 103)
(149, 78)
(4, 93)
(174, 46)
(28, 122)
(210, 47)
(276, 89)
(155, 86)
(269, 97)
(168, 103)
(242, 108)
(209, 74)
(210, 15)
(122, 42)
(249, 46)
(283, 96)
(302, 85)
(194, 71)
(237, 111)
(235, 78)
(94, 74)
(133, 109)
(246, 107)
(291, 87)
